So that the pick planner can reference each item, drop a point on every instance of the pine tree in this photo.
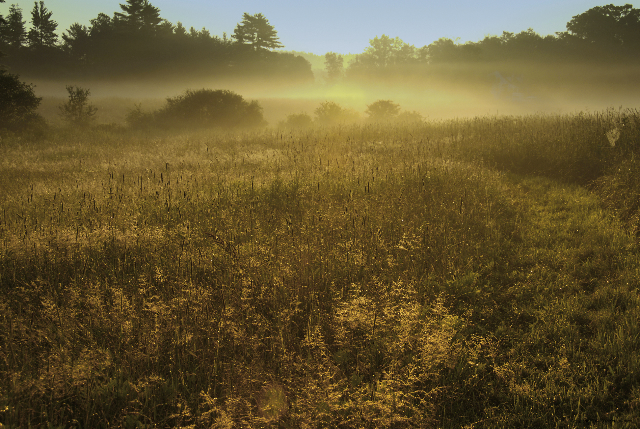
(42, 33)
(139, 15)
(255, 30)
(14, 33)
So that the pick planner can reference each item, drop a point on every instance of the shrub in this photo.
(382, 110)
(77, 111)
(137, 118)
(409, 117)
(209, 108)
(329, 113)
(298, 120)
(18, 104)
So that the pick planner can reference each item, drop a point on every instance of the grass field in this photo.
(479, 272)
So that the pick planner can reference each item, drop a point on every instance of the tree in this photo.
(77, 41)
(443, 50)
(255, 30)
(385, 51)
(13, 31)
(42, 33)
(101, 26)
(385, 57)
(334, 65)
(1, 17)
(139, 15)
(18, 103)
(77, 110)
(608, 26)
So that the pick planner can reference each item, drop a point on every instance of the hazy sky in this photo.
(345, 26)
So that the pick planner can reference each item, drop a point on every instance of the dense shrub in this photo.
(330, 113)
(409, 117)
(298, 120)
(210, 108)
(18, 104)
(204, 108)
(383, 110)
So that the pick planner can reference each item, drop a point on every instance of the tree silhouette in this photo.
(255, 31)
(138, 15)
(42, 33)
(608, 26)
(13, 31)
(77, 110)
(334, 65)
(18, 103)
(77, 41)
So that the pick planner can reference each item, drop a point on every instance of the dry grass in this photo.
(441, 274)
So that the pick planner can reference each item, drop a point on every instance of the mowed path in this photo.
(564, 311)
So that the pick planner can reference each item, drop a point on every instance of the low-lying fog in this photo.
(457, 92)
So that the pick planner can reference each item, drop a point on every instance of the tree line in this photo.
(603, 35)
(137, 41)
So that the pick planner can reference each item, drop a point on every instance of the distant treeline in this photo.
(604, 36)
(137, 42)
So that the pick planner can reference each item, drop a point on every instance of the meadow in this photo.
(480, 272)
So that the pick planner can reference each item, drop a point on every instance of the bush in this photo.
(18, 105)
(382, 110)
(409, 117)
(298, 120)
(329, 113)
(137, 118)
(77, 111)
(208, 108)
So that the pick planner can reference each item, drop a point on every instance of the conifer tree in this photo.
(13, 31)
(255, 30)
(42, 33)
(139, 15)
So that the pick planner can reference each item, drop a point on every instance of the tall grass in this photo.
(422, 275)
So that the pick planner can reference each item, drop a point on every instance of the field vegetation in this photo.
(479, 272)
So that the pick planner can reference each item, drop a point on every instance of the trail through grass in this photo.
(563, 336)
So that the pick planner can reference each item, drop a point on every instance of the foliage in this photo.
(77, 111)
(331, 113)
(608, 26)
(18, 104)
(383, 110)
(13, 32)
(139, 16)
(298, 120)
(409, 117)
(138, 42)
(203, 108)
(42, 33)
(255, 31)
(385, 57)
(136, 118)
(334, 66)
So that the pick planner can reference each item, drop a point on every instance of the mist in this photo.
(454, 91)
(137, 58)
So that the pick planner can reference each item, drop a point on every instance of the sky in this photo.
(344, 26)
